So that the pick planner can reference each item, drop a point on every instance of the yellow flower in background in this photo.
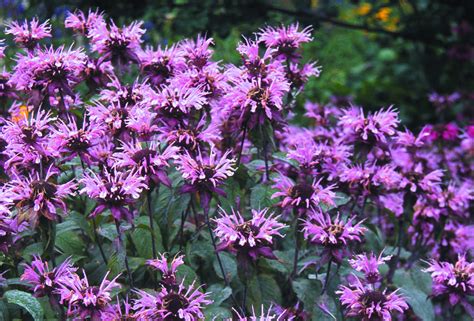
(383, 14)
(363, 9)
(22, 114)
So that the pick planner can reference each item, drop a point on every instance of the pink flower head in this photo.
(84, 300)
(334, 235)
(53, 71)
(456, 281)
(119, 45)
(47, 281)
(79, 22)
(250, 238)
(175, 100)
(371, 129)
(369, 265)
(2, 48)
(168, 271)
(120, 311)
(36, 196)
(286, 39)
(304, 194)
(113, 190)
(197, 52)
(28, 34)
(205, 174)
(257, 101)
(180, 303)
(147, 160)
(73, 141)
(298, 76)
(262, 315)
(160, 65)
(365, 303)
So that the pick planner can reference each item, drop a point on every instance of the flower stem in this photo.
(242, 145)
(130, 277)
(152, 229)
(97, 240)
(328, 274)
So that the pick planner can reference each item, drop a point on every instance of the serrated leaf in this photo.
(217, 313)
(27, 302)
(229, 264)
(218, 293)
(141, 237)
(263, 290)
(260, 196)
(69, 243)
(308, 292)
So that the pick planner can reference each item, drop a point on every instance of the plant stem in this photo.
(184, 216)
(242, 145)
(297, 251)
(97, 240)
(150, 216)
(130, 277)
(328, 273)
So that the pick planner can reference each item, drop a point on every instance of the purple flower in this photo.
(28, 34)
(303, 195)
(176, 100)
(160, 65)
(285, 39)
(114, 191)
(36, 196)
(113, 115)
(371, 129)
(2, 48)
(191, 138)
(257, 101)
(73, 141)
(10, 229)
(115, 312)
(82, 24)
(53, 72)
(366, 303)
(197, 52)
(250, 238)
(180, 303)
(86, 301)
(168, 271)
(298, 77)
(119, 45)
(47, 281)
(205, 174)
(369, 265)
(456, 281)
(146, 160)
(263, 315)
(334, 235)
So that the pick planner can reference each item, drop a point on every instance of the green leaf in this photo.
(263, 289)
(219, 293)
(187, 274)
(70, 243)
(308, 292)
(416, 288)
(141, 237)
(229, 264)
(260, 197)
(217, 313)
(26, 301)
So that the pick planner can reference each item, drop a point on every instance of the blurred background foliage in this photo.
(377, 53)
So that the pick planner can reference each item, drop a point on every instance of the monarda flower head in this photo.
(47, 281)
(71, 140)
(371, 129)
(30, 33)
(176, 101)
(367, 304)
(168, 270)
(369, 265)
(303, 195)
(248, 238)
(286, 40)
(113, 190)
(262, 315)
(54, 72)
(84, 300)
(180, 303)
(455, 281)
(197, 52)
(334, 235)
(147, 160)
(82, 23)
(160, 65)
(256, 101)
(205, 174)
(119, 45)
(36, 196)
